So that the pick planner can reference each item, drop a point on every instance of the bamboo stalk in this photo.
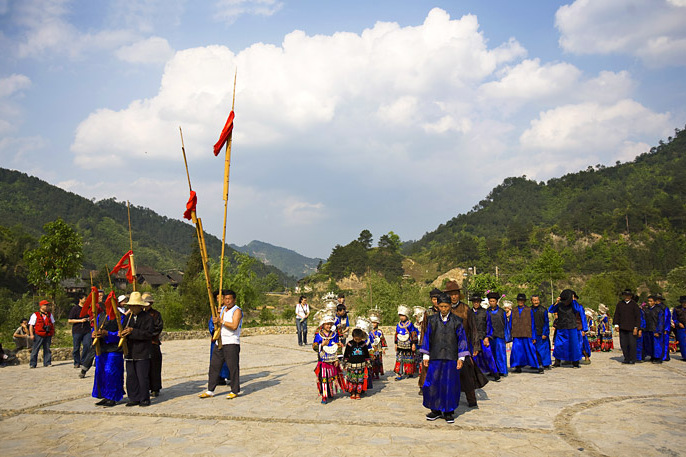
(133, 268)
(122, 339)
(94, 310)
(203, 250)
(227, 169)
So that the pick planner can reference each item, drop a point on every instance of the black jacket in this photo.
(140, 339)
(627, 315)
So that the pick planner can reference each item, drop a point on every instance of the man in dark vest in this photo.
(444, 349)
(433, 309)
(523, 337)
(542, 326)
(471, 377)
(628, 319)
(567, 337)
(138, 331)
(653, 330)
(484, 330)
(501, 332)
(660, 301)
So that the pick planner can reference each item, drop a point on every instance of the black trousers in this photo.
(138, 379)
(155, 368)
(468, 381)
(229, 354)
(627, 340)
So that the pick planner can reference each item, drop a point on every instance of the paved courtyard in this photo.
(605, 408)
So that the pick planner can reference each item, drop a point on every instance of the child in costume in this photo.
(604, 329)
(327, 347)
(418, 314)
(405, 344)
(357, 360)
(342, 323)
(379, 346)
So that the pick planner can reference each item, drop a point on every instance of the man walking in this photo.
(628, 319)
(80, 331)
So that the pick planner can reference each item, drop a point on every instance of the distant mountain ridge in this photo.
(286, 260)
(158, 241)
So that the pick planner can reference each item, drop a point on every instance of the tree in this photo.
(390, 241)
(58, 256)
(549, 266)
(366, 238)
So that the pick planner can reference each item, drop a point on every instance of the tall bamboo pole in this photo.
(94, 310)
(203, 250)
(133, 269)
(227, 167)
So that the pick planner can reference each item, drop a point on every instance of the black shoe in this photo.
(133, 403)
(77, 365)
(145, 403)
(154, 393)
(518, 370)
(449, 418)
(625, 362)
(557, 363)
(547, 367)
(496, 377)
(109, 403)
(540, 370)
(576, 364)
(632, 362)
(102, 402)
(473, 405)
(82, 374)
(433, 415)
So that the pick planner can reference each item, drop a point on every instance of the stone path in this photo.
(605, 408)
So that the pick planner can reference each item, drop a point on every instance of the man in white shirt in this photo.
(230, 319)
(302, 311)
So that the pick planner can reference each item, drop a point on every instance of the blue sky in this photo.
(385, 115)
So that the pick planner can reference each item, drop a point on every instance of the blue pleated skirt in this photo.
(484, 360)
(109, 376)
(441, 388)
(543, 349)
(499, 350)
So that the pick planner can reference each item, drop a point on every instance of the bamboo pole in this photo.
(203, 251)
(227, 168)
(94, 310)
(133, 268)
(122, 339)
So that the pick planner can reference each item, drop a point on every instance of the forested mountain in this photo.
(286, 260)
(27, 203)
(628, 220)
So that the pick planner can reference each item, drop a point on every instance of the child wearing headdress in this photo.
(327, 347)
(405, 344)
(357, 360)
(418, 314)
(379, 346)
(604, 329)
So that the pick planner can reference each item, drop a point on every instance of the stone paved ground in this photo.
(601, 409)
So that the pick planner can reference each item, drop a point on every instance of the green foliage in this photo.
(366, 238)
(240, 277)
(357, 257)
(288, 314)
(482, 282)
(387, 296)
(13, 243)
(266, 316)
(57, 257)
(677, 283)
(177, 314)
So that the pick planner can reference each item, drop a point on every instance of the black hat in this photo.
(627, 292)
(451, 286)
(435, 292)
(443, 298)
(521, 297)
(475, 297)
(682, 299)
(492, 295)
(658, 296)
(566, 296)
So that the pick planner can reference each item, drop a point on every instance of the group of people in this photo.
(645, 330)
(125, 333)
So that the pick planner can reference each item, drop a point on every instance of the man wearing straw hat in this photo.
(138, 331)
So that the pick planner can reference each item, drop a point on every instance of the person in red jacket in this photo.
(41, 330)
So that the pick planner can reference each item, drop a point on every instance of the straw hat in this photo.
(404, 311)
(135, 299)
(147, 297)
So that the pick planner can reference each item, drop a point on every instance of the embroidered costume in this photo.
(405, 338)
(328, 372)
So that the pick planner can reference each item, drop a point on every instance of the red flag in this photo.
(190, 206)
(124, 264)
(109, 306)
(226, 134)
(87, 309)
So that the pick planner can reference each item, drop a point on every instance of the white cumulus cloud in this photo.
(150, 50)
(652, 30)
(229, 10)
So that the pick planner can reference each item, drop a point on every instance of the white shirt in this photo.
(230, 336)
(301, 310)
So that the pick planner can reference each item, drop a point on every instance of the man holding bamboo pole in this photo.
(230, 320)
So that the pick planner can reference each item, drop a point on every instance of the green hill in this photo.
(286, 260)
(27, 203)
